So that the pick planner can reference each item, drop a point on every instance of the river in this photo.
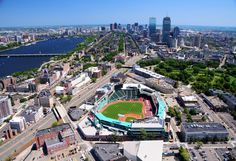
(14, 64)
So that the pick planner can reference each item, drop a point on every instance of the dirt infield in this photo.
(123, 119)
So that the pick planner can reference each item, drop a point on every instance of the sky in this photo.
(82, 12)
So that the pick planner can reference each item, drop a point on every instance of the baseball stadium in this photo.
(129, 109)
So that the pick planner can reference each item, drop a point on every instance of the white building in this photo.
(5, 108)
(18, 123)
(143, 150)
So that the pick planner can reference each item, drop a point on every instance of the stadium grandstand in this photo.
(129, 109)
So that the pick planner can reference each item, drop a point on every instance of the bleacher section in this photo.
(117, 95)
(101, 103)
(131, 94)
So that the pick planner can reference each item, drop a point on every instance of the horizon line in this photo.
(65, 25)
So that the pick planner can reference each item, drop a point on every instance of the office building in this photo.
(115, 26)
(111, 27)
(108, 152)
(203, 131)
(33, 113)
(5, 82)
(5, 107)
(152, 28)
(18, 123)
(176, 32)
(214, 103)
(230, 100)
(128, 27)
(190, 102)
(55, 139)
(197, 40)
(44, 99)
(166, 30)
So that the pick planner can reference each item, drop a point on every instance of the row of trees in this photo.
(10, 45)
(121, 43)
(173, 112)
(208, 139)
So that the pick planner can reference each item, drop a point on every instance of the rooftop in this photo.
(203, 127)
(58, 128)
(150, 150)
(76, 113)
(3, 98)
(159, 82)
(52, 141)
(17, 119)
(151, 73)
(144, 150)
(189, 98)
(31, 109)
(107, 151)
(45, 92)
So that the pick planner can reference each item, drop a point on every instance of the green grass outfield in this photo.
(114, 110)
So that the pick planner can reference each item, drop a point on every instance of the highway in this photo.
(15, 144)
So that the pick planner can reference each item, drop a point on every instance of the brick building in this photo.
(55, 138)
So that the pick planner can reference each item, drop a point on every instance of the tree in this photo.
(171, 111)
(94, 80)
(104, 72)
(199, 144)
(184, 155)
(192, 112)
(114, 138)
(118, 65)
(203, 118)
(54, 124)
(22, 100)
(143, 134)
(176, 85)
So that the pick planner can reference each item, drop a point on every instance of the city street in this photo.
(15, 144)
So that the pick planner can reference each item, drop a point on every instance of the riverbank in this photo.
(27, 44)
(10, 65)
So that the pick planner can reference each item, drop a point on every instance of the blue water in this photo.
(14, 64)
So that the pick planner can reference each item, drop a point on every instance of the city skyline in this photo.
(90, 12)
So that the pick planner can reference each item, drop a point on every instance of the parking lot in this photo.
(204, 155)
(228, 119)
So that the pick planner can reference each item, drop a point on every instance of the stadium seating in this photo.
(117, 95)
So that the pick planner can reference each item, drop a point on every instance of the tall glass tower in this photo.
(152, 26)
(166, 30)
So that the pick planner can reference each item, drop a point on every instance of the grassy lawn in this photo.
(122, 108)
(130, 119)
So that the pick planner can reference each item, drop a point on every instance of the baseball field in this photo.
(124, 111)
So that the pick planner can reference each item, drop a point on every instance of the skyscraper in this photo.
(166, 30)
(111, 27)
(152, 27)
(176, 32)
(197, 40)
